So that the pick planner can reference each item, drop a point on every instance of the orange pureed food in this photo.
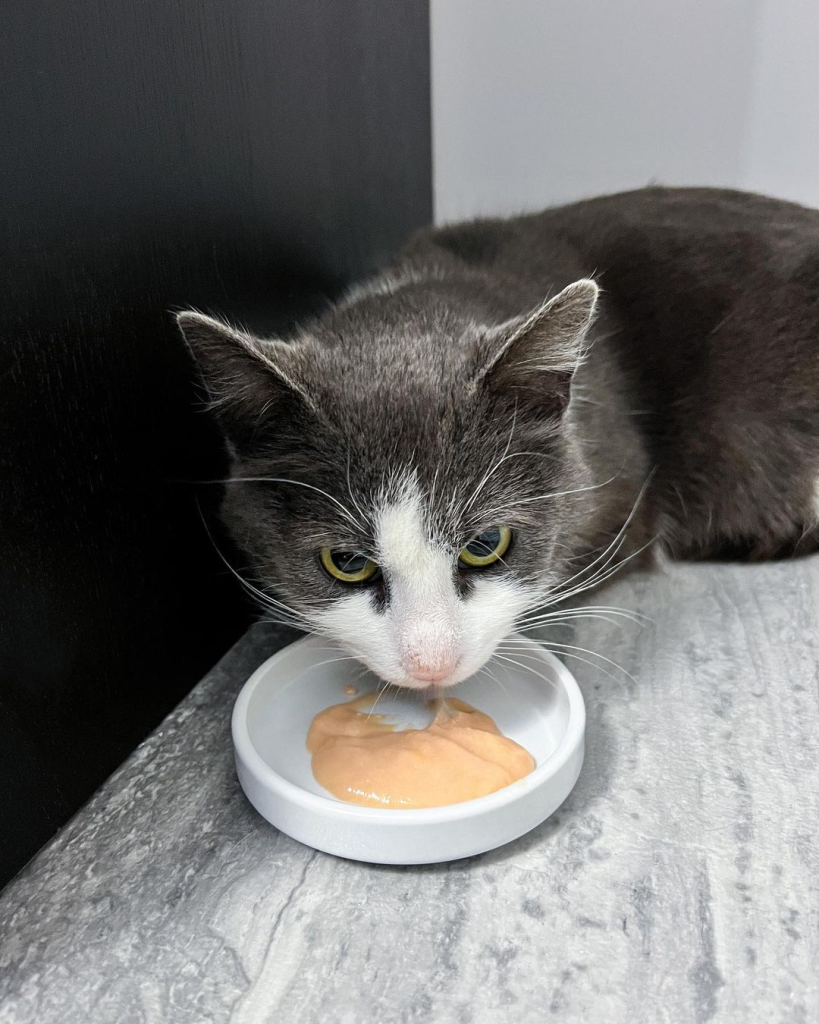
(359, 757)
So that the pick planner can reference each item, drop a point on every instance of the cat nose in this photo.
(429, 670)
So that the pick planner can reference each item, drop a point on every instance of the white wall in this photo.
(781, 154)
(537, 102)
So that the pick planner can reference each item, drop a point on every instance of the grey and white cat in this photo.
(514, 407)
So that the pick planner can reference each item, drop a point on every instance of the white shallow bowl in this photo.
(276, 705)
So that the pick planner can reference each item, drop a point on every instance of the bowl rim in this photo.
(337, 810)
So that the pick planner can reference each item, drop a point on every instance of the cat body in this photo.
(707, 338)
(596, 381)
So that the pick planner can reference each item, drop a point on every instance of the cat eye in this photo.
(348, 566)
(486, 549)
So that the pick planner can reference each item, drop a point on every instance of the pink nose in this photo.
(429, 671)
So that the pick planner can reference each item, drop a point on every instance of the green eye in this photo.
(348, 566)
(487, 548)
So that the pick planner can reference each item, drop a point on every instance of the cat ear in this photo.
(533, 358)
(247, 380)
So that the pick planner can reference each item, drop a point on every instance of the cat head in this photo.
(403, 477)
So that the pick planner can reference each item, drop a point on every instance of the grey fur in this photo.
(698, 381)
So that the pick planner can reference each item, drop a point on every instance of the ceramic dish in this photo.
(539, 705)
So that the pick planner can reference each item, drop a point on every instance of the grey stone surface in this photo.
(680, 882)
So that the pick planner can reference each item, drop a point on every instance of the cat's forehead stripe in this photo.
(402, 534)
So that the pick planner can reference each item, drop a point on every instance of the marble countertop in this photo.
(679, 882)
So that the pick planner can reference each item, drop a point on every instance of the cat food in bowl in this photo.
(537, 707)
(381, 759)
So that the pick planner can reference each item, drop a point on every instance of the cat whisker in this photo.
(603, 572)
(611, 550)
(273, 621)
(552, 494)
(573, 647)
(602, 576)
(332, 661)
(271, 602)
(559, 593)
(576, 657)
(274, 602)
(294, 618)
(606, 557)
(358, 524)
(561, 614)
(567, 619)
(527, 668)
(359, 509)
(494, 678)
(382, 690)
(432, 488)
(465, 508)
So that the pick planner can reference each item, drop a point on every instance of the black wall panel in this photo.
(247, 157)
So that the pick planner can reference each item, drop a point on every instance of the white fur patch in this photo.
(401, 536)
(428, 633)
(424, 604)
(364, 632)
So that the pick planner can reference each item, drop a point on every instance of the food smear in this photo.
(361, 758)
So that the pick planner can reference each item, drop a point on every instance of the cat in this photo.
(514, 408)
